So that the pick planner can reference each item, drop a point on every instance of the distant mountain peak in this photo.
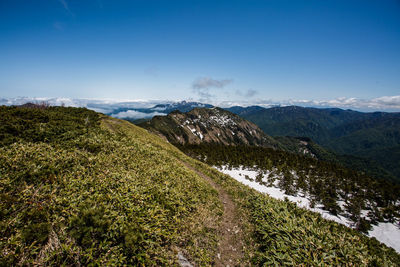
(208, 125)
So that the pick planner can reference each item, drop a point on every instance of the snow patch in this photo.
(222, 120)
(239, 174)
(387, 233)
(195, 132)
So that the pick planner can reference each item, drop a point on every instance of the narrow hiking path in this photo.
(231, 244)
(230, 247)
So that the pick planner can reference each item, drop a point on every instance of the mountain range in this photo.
(298, 167)
(221, 127)
(365, 141)
(374, 137)
(81, 188)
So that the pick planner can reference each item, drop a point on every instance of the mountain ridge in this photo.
(368, 136)
(209, 125)
(81, 188)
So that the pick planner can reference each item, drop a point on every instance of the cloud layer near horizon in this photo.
(380, 103)
(135, 115)
(384, 103)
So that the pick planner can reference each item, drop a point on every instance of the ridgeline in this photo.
(80, 188)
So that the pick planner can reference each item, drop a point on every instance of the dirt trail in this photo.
(230, 247)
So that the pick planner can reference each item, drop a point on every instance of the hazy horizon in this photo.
(383, 104)
(318, 53)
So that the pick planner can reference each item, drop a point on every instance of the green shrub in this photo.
(36, 232)
(90, 226)
(80, 189)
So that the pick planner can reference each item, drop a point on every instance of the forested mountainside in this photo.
(208, 125)
(314, 123)
(214, 125)
(326, 183)
(372, 136)
(304, 146)
(81, 188)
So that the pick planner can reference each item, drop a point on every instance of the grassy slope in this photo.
(113, 194)
(110, 193)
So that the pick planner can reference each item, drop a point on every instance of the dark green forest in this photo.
(369, 142)
(325, 182)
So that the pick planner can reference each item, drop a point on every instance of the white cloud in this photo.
(101, 105)
(207, 82)
(384, 103)
(159, 108)
(388, 101)
(133, 114)
(380, 103)
(202, 86)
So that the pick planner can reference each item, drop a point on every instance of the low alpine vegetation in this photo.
(283, 234)
(81, 188)
(78, 189)
(326, 183)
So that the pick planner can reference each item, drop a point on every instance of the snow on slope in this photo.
(387, 233)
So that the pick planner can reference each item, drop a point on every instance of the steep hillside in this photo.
(304, 146)
(298, 121)
(284, 234)
(372, 163)
(80, 188)
(341, 194)
(365, 135)
(208, 125)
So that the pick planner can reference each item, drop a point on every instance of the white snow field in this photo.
(387, 233)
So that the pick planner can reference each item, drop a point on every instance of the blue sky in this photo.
(202, 50)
